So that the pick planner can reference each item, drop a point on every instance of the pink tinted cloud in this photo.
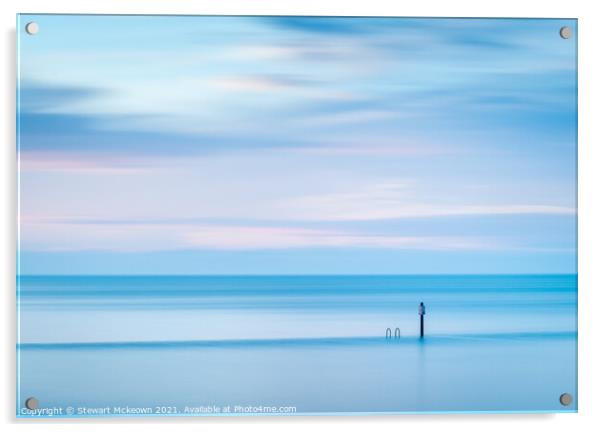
(80, 163)
(64, 235)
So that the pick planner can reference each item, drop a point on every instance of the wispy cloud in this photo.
(292, 50)
(320, 25)
(207, 88)
(76, 163)
(253, 238)
(394, 201)
(375, 145)
(61, 235)
(257, 83)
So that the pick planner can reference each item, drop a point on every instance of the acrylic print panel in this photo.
(296, 215)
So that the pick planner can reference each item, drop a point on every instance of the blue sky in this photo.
(237, 145)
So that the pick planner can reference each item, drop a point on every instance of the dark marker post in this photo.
(421, 312)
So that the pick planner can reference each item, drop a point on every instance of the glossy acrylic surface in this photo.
(224, 215)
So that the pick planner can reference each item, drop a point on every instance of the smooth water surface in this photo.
(284, 344)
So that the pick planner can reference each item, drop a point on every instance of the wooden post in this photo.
(421, 312)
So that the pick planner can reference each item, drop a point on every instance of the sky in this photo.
(293, 145)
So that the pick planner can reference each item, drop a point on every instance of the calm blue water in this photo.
(185, 345)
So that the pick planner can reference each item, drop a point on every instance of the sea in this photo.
(295, 345)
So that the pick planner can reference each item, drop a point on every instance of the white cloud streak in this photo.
(392, 201)
(76, 163)
(56, 235)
